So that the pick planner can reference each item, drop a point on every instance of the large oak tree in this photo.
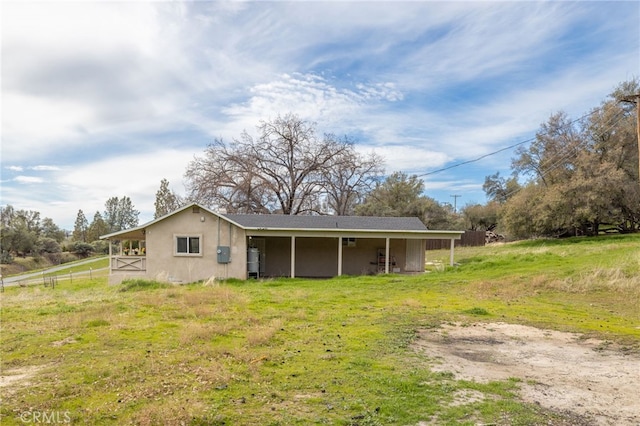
(287, 168)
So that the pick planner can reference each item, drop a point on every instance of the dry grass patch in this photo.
(262, 334)
(198, 332)
(173, 411)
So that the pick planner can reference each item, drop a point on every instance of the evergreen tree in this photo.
(80, 227)
(97, 228)
(166, 200)
(120, 214)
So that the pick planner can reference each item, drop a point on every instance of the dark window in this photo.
(188, 245)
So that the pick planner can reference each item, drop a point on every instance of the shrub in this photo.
(82, 249)
(476, 311)
(100, 246)
(6, 257)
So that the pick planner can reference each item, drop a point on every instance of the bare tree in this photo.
(283, 170)
(227, 177)
(349, 178)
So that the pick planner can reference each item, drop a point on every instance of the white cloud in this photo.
(424, 83)
(45, 168)
(137, 176)
(28, 179)
(33, 125)
(410, 159)
(311, 97)
(77, 70)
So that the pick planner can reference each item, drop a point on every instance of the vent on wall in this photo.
(349, 242)
(195, 210)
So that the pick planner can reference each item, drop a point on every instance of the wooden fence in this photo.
(469, 239)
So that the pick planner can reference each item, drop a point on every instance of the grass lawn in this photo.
(294, 351)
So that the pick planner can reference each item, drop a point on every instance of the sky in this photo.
(106, 99)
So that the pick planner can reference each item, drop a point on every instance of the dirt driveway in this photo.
(564, 372)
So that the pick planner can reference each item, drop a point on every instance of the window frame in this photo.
(188, 237)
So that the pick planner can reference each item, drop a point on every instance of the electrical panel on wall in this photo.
(224, 254)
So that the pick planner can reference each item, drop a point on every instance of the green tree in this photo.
(519, 215)
(26, 230)
(583, 174)
(120, 214)
(480, 217)
(80, 227)
(48, 245)
(500, 189)
(7, 215)
(51, 230)
(166, 200)
(549, 159)
(398, 195)
(97, 228)
(401, 195)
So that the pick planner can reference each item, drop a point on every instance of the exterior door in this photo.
(415, 256)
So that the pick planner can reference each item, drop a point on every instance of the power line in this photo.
(500, 150)
(571, 151)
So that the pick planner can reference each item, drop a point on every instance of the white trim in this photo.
(451, 252)
(293, 256)
(339, 256)
(176, 253)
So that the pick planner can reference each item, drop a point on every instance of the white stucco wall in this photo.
(164, 264)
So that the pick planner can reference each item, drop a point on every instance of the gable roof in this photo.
(369, 223)
(263, 224)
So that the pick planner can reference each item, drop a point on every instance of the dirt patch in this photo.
(560, 371)
(18, 377)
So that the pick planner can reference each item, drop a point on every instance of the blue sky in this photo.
(104, 99)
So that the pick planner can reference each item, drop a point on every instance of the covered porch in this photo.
(128, 253)
(329, 253)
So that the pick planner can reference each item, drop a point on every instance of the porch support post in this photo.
(110, 257)
(339, 256)
(386, 256)
(451, 252)
(293, 256)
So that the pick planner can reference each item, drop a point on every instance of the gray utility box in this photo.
(224, 254)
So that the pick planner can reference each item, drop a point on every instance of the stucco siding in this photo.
(194, 243)
(164, 263)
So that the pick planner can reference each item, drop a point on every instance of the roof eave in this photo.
(146, 225)
(427, 234)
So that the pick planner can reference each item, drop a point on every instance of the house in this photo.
(194, 243)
